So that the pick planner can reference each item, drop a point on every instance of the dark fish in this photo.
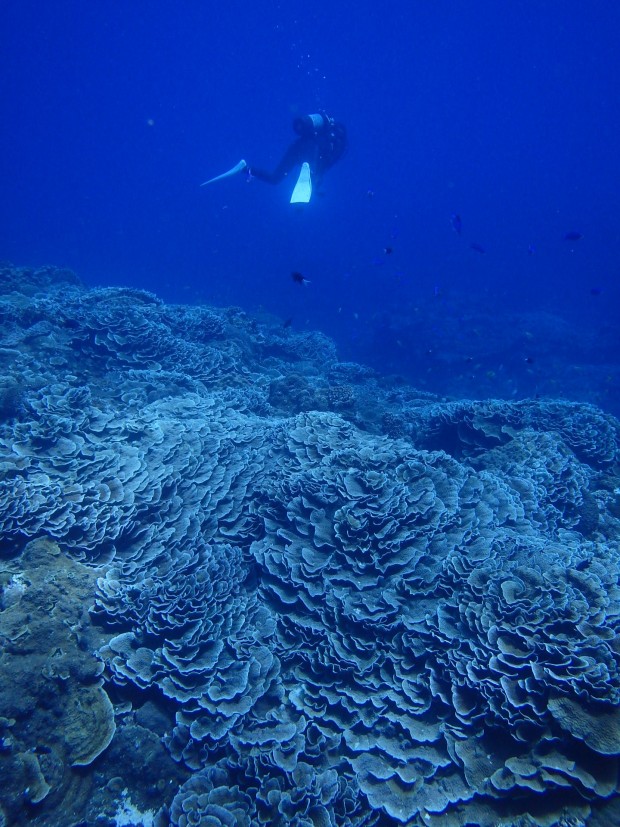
(477, 247)
(299, 279)
(388, 251)
(573, 235)
(531, 249)
(456, 222)
(287, 323)
(596, 291)
(528, 360)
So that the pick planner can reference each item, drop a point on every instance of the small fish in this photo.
(477, 247)
(388, 250)
(299, 279)
(531, 249)
(457, 224)
(572, 235)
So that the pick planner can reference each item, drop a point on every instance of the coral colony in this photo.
(233, 595)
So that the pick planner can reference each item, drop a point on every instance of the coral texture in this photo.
(324, 624)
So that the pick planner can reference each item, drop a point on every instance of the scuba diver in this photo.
(320, 143)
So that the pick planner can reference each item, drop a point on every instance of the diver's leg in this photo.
(292, 158)
(264, 175)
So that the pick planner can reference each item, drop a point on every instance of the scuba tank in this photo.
(307, 125)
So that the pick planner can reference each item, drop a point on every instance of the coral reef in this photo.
(245, 584)
(55, 715)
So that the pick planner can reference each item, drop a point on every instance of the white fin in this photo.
(303, 187)
(237, 168)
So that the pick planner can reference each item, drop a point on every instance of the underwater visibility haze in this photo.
(310, 486)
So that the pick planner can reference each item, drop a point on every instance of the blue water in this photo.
(504, 113)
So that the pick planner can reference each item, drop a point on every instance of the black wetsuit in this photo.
(321, 148)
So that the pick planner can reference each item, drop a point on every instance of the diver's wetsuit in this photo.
(322, 141)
